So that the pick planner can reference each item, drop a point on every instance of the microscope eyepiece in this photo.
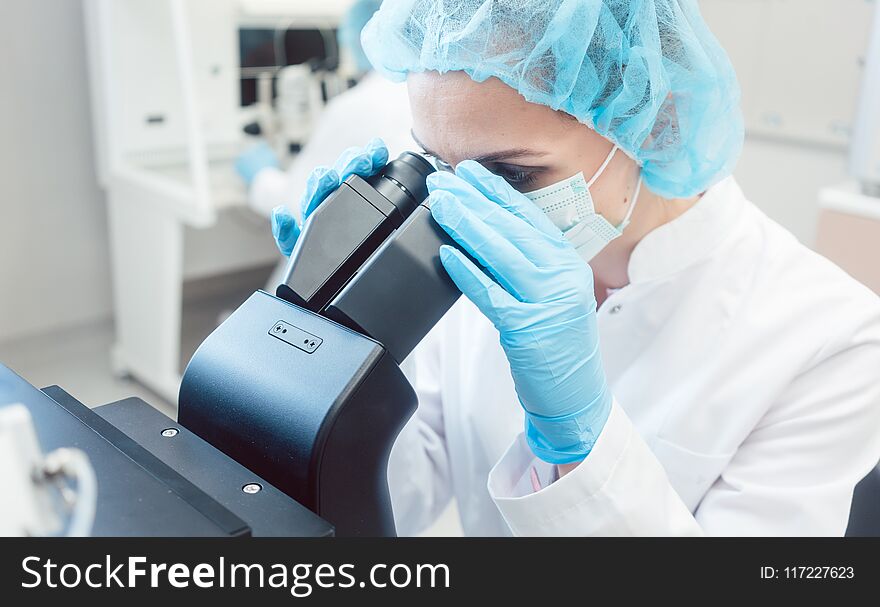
(349, 226)
(402, 181)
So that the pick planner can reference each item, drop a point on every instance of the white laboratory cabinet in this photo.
(799, 63)
(168, 118)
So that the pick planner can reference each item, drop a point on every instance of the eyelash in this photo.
(513, 177)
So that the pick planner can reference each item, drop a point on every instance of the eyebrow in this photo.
(490, 157)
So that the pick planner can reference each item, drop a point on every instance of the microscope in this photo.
(304, 387)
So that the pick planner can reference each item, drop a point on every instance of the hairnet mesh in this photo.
(646, 74)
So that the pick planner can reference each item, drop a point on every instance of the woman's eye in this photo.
(515, 177)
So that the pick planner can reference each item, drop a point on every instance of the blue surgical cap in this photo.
(646, 74)
(350, 30)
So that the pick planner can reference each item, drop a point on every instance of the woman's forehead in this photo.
(455, 116)
(458, 93)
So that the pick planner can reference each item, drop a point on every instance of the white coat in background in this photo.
(746, 375)
(375, 107)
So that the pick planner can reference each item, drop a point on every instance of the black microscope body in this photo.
(303, 387)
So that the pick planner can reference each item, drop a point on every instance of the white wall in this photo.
(784, 179)
(800, 65)
(54, 265)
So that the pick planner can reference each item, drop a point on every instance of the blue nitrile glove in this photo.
(364, 162)
(542, 304)
(254, 160)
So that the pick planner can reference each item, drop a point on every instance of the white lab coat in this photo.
(375, 107)
(746, 375)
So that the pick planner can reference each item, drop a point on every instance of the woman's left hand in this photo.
(539, 295)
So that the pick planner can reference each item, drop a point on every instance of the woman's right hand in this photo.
(363, 162)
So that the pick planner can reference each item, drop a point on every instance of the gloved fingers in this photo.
(321, 182)
(364, 162)
(485, 293)
(507, 264)
(354, 161)
(536, 246)
(284, 229)
(497, 189)
(378, 154)
(361, 160)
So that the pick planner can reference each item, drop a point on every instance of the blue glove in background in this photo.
(541, 301)
(363, 162)
(254, 160)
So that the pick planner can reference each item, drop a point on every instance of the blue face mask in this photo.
(569, 205)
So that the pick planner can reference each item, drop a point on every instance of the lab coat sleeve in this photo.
(794, 474)
(620, 489)
(419, 476)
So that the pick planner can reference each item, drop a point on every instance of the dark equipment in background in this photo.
(262, 49)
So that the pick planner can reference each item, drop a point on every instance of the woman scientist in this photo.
(703, 373)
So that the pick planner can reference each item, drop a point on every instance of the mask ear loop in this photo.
(632, 206)
(598, 174)
(604, 166)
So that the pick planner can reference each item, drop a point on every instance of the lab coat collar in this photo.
(691, 237)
